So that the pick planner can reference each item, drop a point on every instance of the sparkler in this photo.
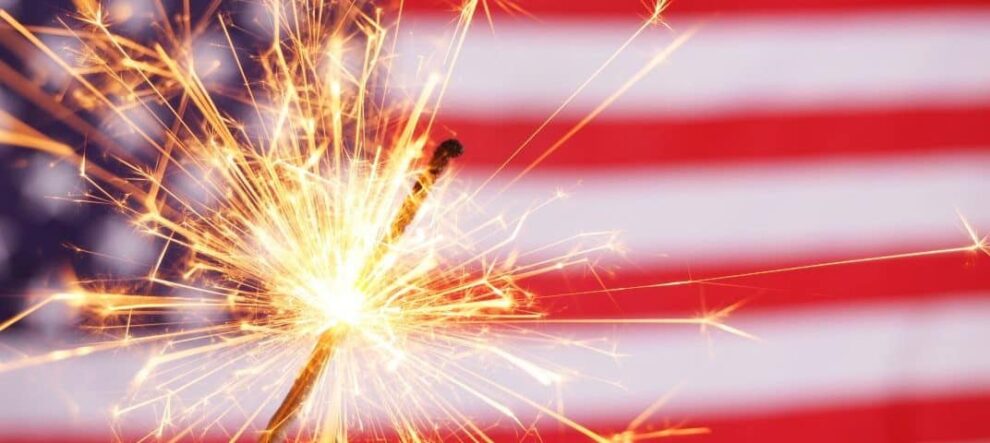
(295, 235)
(294, 244)
(325, 346)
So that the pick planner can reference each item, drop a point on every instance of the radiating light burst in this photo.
(286, 255)
(283, 234)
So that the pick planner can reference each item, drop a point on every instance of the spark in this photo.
(647, 68)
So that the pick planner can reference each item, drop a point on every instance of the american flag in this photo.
(781, 134)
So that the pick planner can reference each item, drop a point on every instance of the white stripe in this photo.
(807, 358)
(724, 213)
(528, 67)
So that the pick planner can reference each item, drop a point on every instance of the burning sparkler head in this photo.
(339, 305)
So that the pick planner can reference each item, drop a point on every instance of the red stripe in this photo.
(733, 138)
(962, 417)
(643, 7)
(917, 279)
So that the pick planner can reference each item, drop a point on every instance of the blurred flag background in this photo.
(783, 134)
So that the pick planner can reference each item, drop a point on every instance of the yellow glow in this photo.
(340, 304)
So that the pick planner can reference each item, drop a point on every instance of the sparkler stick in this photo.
(315, 365)
(444, 153)
(320, 358)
